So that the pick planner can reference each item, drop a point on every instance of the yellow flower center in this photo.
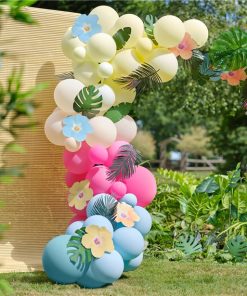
(77, 128)
(86, 28)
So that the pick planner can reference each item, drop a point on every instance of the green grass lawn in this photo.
(154, 277)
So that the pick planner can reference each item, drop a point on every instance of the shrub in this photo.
(144, 142)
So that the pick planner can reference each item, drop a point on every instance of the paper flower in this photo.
(234, 77)
(185, 47)
(86, 26)
(126, 215)
(98, 239)
(77, 127)
(79, 194)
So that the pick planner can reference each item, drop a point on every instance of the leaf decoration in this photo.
(209, 185)
(121, 37)
(189, 244)
(79, 255)
(88, 101)
(237, 247)
(145, 77)
(124, 164)
(149, 27)
(206, 69)
(116, 113)
(229, 51)
(66, 75)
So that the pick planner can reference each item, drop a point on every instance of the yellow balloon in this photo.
(86, 72)
(169, 31)
(126, 129)
(165, 62)
(144, 47)
(197, 30)
(107, 17)
(105, 70)
(70, 46)
(125, 62)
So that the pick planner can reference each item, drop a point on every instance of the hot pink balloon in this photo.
(113, 150)
(79, 212)
(78, 162)
(143, 185)
(71, 178)
(79, 217)
(97, 177)
(98, 154)
(118, 190)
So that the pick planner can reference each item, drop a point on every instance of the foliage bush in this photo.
(145, 143)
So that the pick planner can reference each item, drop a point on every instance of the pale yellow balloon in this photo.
(86, 72)
(72, 145)
(107, 17)
(125, 62)
(108, 96)
(197, 30)
(169, 31)
(165, 62)
(104, 132)
(101, 47)
(70, 43)
(136, 25)
(144, 47)
(105, 70)
(126, 129)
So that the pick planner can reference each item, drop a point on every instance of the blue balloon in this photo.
(108, 268)
(130, 199)
(73, 227)
(88, 280)
(56, 262)
(99, 221)
(145, 223)
(133, 264)
(128, 242)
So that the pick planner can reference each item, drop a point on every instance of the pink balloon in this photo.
(98, 154)
(118, 190)
(79, 212)
(78, 217)
(98, 179)
(71, 178)
(113, 150)
(78, 162)
(143, 185)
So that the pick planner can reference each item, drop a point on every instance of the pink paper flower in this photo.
(185, 47)
(234, 77)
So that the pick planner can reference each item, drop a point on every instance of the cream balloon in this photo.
(101, 47)
(72, 145)
(79, 54)
(169, 31)
(54, 128)
(70, 43)
(125, 62)
(65, 93)
(104, 132)
(108, 96)
(107, 17)
(86, 72)
(136, 25)
(126, 129)
(144, 47)
(164, 61)
(105, 70)
(197, 30)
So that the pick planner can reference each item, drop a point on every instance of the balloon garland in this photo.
(113, 59)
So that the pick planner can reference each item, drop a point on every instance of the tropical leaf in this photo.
(66, 75)
(78, 254)
(189, 244)
(124, 164)
(121, 37)
(234, 179)
(149, 27)
(208, 185)
(88, 101)
(206, 69)
(116, 113)
(145, 77)
(229, 51)
(237, 247)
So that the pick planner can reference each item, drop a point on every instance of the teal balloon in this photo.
(89, 281)
(128, 242)
(100, 199)
(108, 268)
(56, 262)
(99, 221)
(73, 227)
(133, 264)
(145, 223)
(130, 199)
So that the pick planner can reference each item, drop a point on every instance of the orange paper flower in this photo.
(234, 77)
(126, 215)
(184, 48)
(79, 194)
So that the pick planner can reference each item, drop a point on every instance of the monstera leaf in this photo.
(237, 247)
(229, 51)
(78, 254)
(189, 244)
(88, 101)
(149, 27)
(121, 37)
(116, 113)
(208, 185)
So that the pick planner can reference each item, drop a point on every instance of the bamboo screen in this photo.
(35, 205)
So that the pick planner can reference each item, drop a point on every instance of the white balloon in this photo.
(126, 129)
(197, 30)
(108, 96)
(86, 72)
(72, 145)
(69, 43)
(104, 132)
(65, 93)
(105, 70)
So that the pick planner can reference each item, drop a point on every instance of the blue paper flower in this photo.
(77, 127)
(86, 26)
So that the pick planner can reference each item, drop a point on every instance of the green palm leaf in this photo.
(189, 244)
(121, 37)
(116, 113)
(149, 27)
(237, 247)
(88, 101)
(229, 51)
(66, 75)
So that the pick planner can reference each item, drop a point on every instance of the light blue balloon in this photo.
(89, 281)
(145, 223)
(99, 221)
(108, 268)
(56, 262)
(133, 264)
(130, 199)
(73, 227)
(128, 242)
